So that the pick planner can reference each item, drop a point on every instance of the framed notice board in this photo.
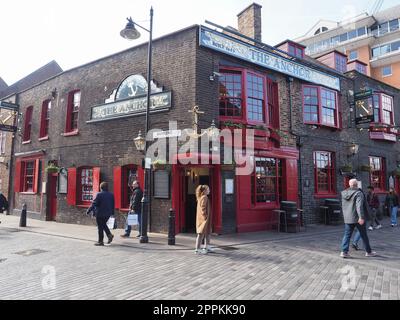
(161, 185)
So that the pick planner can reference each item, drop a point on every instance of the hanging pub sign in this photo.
(364, 106)
(12, 111)
(130, 99)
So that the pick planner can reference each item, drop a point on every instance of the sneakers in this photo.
(378, 227)
(124, 236)
(344, 255)
(355, 247)
(371, 228)
(99, 244)
(394, 225)
(200, 251)
(138, 236)
(371, 254)
(110, 239)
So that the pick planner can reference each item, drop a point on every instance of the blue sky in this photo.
(74, 32)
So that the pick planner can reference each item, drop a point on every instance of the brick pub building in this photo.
(87, 127)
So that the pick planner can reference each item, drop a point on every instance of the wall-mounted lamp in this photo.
(353, 149)
(54, 93)
(214, 75)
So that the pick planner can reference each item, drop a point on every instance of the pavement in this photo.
(49, 260)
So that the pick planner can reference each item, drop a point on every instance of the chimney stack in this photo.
(249, 21)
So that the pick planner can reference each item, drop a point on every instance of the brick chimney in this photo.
(249, 21)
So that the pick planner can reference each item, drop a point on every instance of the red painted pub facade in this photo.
(93, 140)
(87, 129)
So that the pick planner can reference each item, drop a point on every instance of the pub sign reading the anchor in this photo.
(130, 99)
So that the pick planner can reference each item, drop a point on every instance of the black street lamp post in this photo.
(131, 33)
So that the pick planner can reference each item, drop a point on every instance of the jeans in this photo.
(102, 227)
(128, 229)
(393, 215)
(348, 232)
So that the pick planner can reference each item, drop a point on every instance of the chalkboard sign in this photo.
(161, 184)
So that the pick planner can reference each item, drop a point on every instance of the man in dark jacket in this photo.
(103, 208)
(3, 203)
(355, 213)
(135, 208)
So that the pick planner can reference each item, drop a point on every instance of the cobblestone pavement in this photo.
(289, 266)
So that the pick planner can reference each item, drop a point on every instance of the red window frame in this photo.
(362, 68)
(261, 172)
(379, 111)
(45, 119)
(321, 106)
(269, 97)
(295, 50)
(324, 158)
(340, 63)
(256, 92)
(27, 175)
(121, 190)
(74, 195)
(28, 124)
(73, 111)
(89, 183)
(377, 175)
(228, 84)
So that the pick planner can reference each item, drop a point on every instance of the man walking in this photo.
(355, 212)
(103, 207)
(135, 208)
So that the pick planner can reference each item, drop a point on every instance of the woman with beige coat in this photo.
(203, 218)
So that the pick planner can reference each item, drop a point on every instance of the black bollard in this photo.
(22, 220)
(171, 227)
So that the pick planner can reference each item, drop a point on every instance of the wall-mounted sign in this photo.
(130, 99)
(236, 48)
(167, 134)
(364, 107)
(161, 185)
(63, 181)
(9, 105)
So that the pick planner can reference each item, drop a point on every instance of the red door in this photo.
(52, 196)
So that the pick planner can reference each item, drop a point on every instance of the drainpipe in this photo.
(289, 81)
(10, 167)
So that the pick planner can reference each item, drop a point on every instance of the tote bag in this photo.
(111, 223)
(132, 219)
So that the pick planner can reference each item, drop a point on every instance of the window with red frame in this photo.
(383, 109)
(86, 185)
(361, 68)
(28, 124)
(296, 51)
(255, 98)
(45, 119)
(328, 104)
(387, 109)
(310, 105)
(340, 63)
(74, 103)
(320, 106)
(378, 172)
(230, 94)
(28, 176)
(266, 181)
(324, 171)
